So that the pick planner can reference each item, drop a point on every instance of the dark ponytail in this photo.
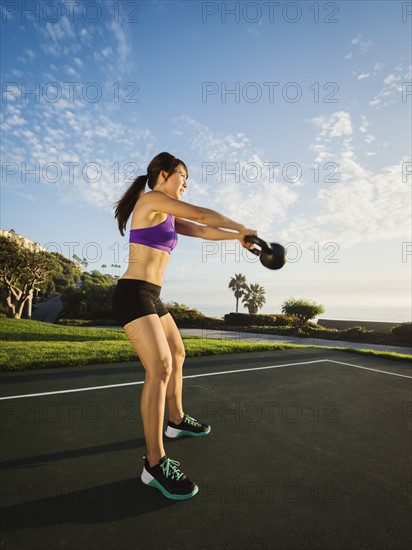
(124, 206)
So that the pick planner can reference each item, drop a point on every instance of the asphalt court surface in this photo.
(309, 449)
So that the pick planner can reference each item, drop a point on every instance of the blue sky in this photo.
(293, 118)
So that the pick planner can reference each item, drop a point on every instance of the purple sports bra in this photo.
(162, 236)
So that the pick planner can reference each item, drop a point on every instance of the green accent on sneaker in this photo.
(187, 427)
(170, 469)
(190, 420)
(184, 433)
(172, 496)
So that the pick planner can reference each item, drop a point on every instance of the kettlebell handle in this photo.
(265, 247)
(272, 256)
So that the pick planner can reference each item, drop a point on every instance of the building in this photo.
(27, 243)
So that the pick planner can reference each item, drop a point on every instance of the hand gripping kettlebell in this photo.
(272, 256)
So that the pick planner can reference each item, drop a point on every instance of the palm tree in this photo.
(238, 285)
(115, 266)
(254, 298)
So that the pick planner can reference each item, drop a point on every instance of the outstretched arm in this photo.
(160, 202)
(190, 229)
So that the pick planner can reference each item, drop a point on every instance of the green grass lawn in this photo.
(35, 345)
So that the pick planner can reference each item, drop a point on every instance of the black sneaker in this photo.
(166, 477)
(188, 426)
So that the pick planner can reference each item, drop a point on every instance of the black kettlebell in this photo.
(272, 256)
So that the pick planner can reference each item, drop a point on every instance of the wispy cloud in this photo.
(106, 52)
(360, 47)
(392, 87)
(67, 39)
(363, 206)
(244, 181)
(378, 67)
(336, 125)
(364, 126)
(14, 121)
(71, 136)
(30, 53)
(254, 29)
(28, 56)
(60, 30)
(59, 38)
(124, 62)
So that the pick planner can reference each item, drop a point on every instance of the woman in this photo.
(157, 217)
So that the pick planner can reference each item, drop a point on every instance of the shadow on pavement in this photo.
(106, 503)
(73, 453)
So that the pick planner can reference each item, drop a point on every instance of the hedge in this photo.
(403, 332)
(260, 320)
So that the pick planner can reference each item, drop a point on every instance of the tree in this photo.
(254, 298)
(115, 266)
(304, 309)
(97, 277)
(68, 274)
(93, 300)
(22, 270)
(238, 285)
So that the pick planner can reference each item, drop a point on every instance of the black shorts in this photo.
(134, 298)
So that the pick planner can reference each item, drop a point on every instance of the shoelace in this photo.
(191, 420)
(170, 469)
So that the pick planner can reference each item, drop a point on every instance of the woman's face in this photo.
(176, 184)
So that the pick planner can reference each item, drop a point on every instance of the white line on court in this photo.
(92, 388)
(367, 368)
(142, 381)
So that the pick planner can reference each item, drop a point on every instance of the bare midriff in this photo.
(146, 264)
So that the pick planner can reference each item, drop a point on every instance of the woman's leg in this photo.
(178, 354)
(179, 423)
(148, 339)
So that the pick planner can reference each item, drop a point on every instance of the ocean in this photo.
(396, 315)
